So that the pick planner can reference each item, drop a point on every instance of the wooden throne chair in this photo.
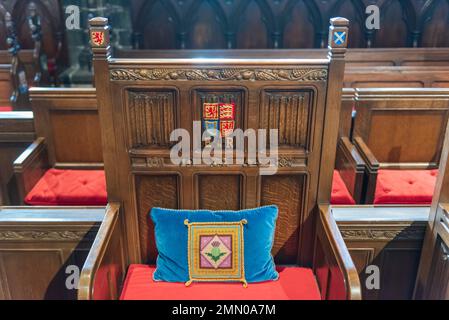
(140, 101)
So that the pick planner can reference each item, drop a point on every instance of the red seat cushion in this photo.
(405, 186)
(340, 193)
(293, 284)
(5, 108)
(69, 188)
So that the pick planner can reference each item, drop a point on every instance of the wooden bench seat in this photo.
(69, 188)
(405, 186)
(340, 193)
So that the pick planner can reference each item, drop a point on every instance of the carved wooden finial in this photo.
(11, 38)
(99, 37)
(338, 35)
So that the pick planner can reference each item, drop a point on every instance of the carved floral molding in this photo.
(246, 74)
(46, 235)
(390, 234)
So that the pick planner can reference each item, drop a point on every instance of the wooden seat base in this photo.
(293, 284)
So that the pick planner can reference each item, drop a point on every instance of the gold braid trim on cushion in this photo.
(233, 230)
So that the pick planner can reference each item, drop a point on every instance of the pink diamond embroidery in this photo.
(216, 252)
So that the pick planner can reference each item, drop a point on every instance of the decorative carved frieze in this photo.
(379, 234)
(150, 162)
(155, 162)
(34, 235)
(222, 74)
(285, 162)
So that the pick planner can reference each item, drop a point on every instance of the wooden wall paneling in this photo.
(36, 246)
(289, 112)
(285, 24)
(161, 190)
(152, 116)
(390, 238)
(288, 192)
(209, 192)
(16, 133)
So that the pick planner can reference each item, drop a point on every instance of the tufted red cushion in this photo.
(405, 186)
(340, 193)
(5, 108)
(293, 284)
(69, 188)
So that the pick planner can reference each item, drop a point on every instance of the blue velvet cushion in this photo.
(171, 241)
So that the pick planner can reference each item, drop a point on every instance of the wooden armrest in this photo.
(104, 270)
(30, 166)
(372, 167)
(346, 115)
(351, 167)
(335, 272)
(366, 154)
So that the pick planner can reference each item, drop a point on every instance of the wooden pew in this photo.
(399, 129)
(43, 249)
(16, 134)
(389, 238)
(68, 131)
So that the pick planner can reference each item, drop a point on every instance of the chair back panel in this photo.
(68, 120)
(142, 100)
(403, 126)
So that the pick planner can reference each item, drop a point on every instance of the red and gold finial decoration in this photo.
(97, 38)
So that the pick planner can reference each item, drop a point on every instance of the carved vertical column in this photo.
(34, 22)
(338, 42)
(99, 38)
(112, 138)
(19, 97)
